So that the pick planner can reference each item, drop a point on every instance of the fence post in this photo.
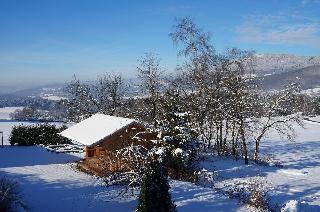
(1, 139)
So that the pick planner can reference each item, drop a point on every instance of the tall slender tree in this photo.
(151, 78)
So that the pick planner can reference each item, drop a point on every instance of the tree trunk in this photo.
(154, 113)
(226, 135)
(233, 146)
(244, 144)
(217, 140)
(246, 160)
(221, 136)
(256, 151)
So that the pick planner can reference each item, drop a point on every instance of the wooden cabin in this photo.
(102, 136)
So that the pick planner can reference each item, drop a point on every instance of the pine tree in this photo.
(178, 136)
(175, 126)
(154, 191)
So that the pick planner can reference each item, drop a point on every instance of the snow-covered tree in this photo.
(213, 85)
(280, 112)
(154, 191)
(175, 126)
(104, 96)
(150, 74)
(178, 135)
(222, 95)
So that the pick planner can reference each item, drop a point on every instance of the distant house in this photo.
(103, 135)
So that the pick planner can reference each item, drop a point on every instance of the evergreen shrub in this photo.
(154, 191)
(46, 134)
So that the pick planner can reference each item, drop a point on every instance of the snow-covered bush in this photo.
(37, 134)
(204, 178)
(11, 198)
(133, 157)
(253, 192)
(130, 173)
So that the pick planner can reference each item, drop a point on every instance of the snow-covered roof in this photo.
(92, 130)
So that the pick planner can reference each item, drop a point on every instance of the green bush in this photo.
(181, 166)
(11, 198)
(46, 134)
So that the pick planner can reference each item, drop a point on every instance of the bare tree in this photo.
(219, 89)
(81, 101)
(102, 96)
(110, 89)
(151, 75)
(198, 75)
(280, 112)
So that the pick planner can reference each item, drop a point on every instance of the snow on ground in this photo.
(298, 179)
(314, 119)
(5, 112)
(51, 182)
(52, 97)
(312, 92)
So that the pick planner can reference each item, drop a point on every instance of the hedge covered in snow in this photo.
(46, 134)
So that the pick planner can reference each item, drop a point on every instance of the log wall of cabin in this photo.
(100, 164)
(122, 138)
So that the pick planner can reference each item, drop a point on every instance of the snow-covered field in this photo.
(52, 97)
(298, 179)
(312, 92)
(51, 183)
(5, 112)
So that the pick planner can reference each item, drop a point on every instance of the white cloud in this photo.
(305, 35)
(288, 29)
(304, 2)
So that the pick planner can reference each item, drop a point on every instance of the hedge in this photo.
(46, 134)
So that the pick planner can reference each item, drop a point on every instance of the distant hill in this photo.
(273, 71)
(54, 91)
(9, 89)
(308, 77)
(278, 63)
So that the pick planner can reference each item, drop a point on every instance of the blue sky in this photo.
(48, 41)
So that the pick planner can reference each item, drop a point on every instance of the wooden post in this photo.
(86, 152)
(1, 139)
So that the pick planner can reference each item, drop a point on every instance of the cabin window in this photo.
(90, 152)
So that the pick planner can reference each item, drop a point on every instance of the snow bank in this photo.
(291, 206)
(296, 206)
